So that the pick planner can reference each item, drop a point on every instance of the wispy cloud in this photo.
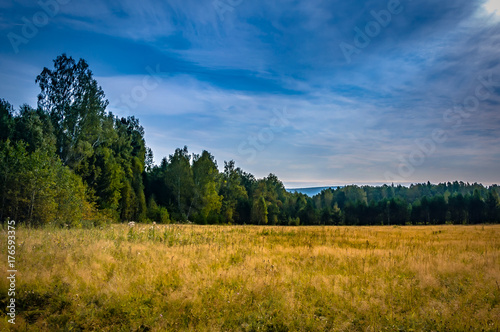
(221, 80)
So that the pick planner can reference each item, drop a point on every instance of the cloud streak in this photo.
(220, 80)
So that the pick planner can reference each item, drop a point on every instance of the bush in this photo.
(294, 221)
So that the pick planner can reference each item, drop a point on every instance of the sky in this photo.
(318, 92)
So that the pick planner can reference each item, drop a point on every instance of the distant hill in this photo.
(310, 191)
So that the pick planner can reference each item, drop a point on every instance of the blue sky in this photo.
(317, 92)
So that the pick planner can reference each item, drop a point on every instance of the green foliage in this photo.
(293, 221)
(68, 157)
(232, 190)
(206, 185)
(6, 120)
(259, 211)
(456, 203)
(157, 213)
(178, 178)
(76, 105)
(38, 189)
(35, 129)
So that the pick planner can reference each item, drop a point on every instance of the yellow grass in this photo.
(246, 278)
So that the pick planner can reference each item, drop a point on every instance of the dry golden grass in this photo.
(246, 278)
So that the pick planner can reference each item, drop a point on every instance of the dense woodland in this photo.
(70, 162)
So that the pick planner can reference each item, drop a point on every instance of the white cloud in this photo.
(493, 6)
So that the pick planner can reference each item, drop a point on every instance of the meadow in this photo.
(251, 278)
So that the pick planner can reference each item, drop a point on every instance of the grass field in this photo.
(232, 278)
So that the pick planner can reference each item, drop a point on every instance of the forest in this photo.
(71, 163)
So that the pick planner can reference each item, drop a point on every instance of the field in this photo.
(246, 278)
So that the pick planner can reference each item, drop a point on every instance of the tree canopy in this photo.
(71, 162)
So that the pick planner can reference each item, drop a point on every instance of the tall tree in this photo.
(259, 211)
(76, 105)
(179, 181)
(477, 208)
(206, 186)
(12, 160)
(6, 119)
(232, 190)
(493, 206)
(457, 205)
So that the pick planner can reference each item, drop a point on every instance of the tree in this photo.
(34, 128)
(157, 213)
(438, 209)
(179, 181)
(425, 210)
(109, 153)
(149, 160)
(397, 212)
(457, 205)
(327, 199)
(76, 106)
(232, 190)
(130, 149)
(477, 208)
(275, 194)
(206, 185)
(259, 211)
(493, 206)
(355, 194)
(309, 215)
(6, 120)
(12, 160)
(38, 189)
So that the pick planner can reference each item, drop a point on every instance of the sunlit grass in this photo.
(232, 278)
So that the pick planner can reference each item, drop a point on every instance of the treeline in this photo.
(456, 203)
(71, 162)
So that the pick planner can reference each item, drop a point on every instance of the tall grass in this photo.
(248, 278)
